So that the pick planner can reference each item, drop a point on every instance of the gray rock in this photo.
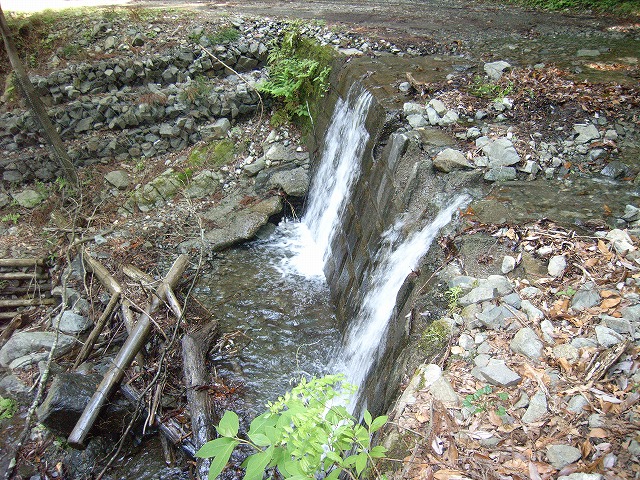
(138, 40)
(547, 331)
(586, 133)
(109, 42)
(478, 295)
(607, 337)
(537, 408)
(597, 420)
(256, 167)
(495, 69)
(527, 343)
(449, 159)
(24, 343)
(619, 325)
(557, 265)
(465, 282)
(216, 130)
(203, 184)
(28, 198)
(118, 178)
(577, 404)
(530, 292)
(497, 373)
(417, 120)
(482, 360)
(631, 213)
(438, 105)
(513, 300)
(12, 387)
(449, 118)
(508, 264)
(500, 174)
(586, 52)
(66, 399)
(499, 282)
(582, 476)
(585, 298)
(581, 342)
(559, 456)
(632, 313)
(523, 401)
(412, 108)
(534, 314)
(85, 124)
(294, 182)
(500, 152)
(72, 323)
(567, 351)
(621, 241)
(615, 169)
(280, 153)
(494, 317)
(439, 386)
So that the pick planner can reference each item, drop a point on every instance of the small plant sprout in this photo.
(453, 295)
(8, 407)
(483, 399)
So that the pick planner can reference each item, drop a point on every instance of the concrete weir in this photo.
(394, 197)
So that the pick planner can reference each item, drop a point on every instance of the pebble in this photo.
(562, 455)
(534, 314)
(508, 264)
(577, 404)
(497, 373)
(557, 265)
(607, 337)
(537, 408)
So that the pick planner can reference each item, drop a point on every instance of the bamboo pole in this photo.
(97, 329)
(125, 356)
(27, 302)
(99, 270)
(23, 276)
(22, 262)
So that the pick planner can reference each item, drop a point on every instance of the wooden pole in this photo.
(49, 131)
(22, 262)
(125, 356)
(97, 329)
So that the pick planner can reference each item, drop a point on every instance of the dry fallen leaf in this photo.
(610, 302)
(446, 474)
(598, 433)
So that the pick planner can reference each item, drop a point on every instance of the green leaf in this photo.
(220, 460)
(334, 474)
(259, 423)
(229, 424)
(378, 423)
(367, 417)
(503, 395)
(260, 439)
(378, 452)
(211, 448)
(361, 462)
(256, 463)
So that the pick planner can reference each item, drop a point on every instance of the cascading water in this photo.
(339, 168)
(396, 259)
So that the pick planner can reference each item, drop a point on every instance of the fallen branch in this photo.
(22, 262)
(97, 330)
(194, 350)
(125, 356)
(27, 302)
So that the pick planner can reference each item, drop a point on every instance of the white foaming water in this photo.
(364, 337)
(310, 240)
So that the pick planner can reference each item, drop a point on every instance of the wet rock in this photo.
(72, 323)
(500, 152)
(585, 133)
(607, 337)
(23, 344)
(67, 398)
(615, 169)
(497, 373)
(537, 408)
(119, 179)
(560, 456)
(527, 343)
(12, 387)
(495, 69)
(28, 198)
(557, 266)
(449, 159)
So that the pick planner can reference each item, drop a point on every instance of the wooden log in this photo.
(169, 428)
(23, 276)
(5, 315)
(44, 287)
(26, 302)
(97, 329)
(15, 323)
(95, 267)
(201, 409)
(125, 356)
(22, 262)
(138, 275)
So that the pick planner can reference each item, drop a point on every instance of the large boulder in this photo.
(31, 347)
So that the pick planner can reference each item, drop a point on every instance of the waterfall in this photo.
(395, 260)
(338, 169)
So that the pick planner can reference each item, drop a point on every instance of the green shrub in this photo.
(304, 434)
(298, 70)
(8, 407)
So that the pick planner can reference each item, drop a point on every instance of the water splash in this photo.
(339, 167)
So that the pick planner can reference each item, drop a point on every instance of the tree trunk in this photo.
(49, 131)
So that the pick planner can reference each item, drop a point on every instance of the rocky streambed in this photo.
(178, 158)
